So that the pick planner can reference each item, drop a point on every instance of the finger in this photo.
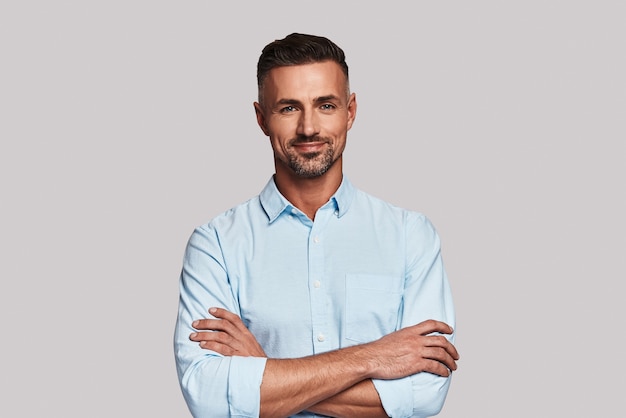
(220, 342)
(441, 341)
(218, 347)
(228, 316)
(204, 336)
(219, 338)
(213, 324)
(224, 314)
(437, 368)
(429, 326)
(440, 355)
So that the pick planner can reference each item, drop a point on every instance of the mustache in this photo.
(302, 139)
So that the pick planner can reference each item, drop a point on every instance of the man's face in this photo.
(306, 113)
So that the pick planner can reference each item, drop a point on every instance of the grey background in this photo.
(125, 124)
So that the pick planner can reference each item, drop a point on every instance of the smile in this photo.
(308, 147)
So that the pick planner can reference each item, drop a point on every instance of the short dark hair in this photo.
(298, 49)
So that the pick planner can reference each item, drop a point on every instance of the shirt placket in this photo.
(321, 333)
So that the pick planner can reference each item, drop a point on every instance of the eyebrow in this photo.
(288, 102)
(329, 98)
(321, 99)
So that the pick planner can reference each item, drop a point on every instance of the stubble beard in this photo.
(312, 164)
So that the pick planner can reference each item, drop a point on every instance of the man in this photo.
(321, 298)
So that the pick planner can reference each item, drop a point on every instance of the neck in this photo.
(308, 194)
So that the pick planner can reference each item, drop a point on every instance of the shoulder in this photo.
(413, 225)
(387, 209)
(239, 215)
(226, 229)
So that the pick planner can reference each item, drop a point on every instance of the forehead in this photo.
(301, 81)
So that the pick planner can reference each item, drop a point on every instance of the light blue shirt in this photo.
(362, 269)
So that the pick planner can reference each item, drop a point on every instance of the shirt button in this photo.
(316, 240)
(317, 284)
(336, 213)
(321, 338)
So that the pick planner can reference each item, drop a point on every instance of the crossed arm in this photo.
(336, 383)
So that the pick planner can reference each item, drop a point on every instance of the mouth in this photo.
(309, 147)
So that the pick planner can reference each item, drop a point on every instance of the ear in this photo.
(351, 110)
(260, 118)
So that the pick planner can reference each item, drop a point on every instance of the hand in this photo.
(412, 350)
(227, 335)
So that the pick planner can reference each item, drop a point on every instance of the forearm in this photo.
(288, 386)
(360, 400)
(292, 385)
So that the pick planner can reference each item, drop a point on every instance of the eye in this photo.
(288, 109)
(327, 106)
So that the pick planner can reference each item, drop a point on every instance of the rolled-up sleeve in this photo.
(427, 295)
(212, 384)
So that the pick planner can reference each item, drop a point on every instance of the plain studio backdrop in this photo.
(125, 124)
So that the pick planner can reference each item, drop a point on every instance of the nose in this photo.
(308, 124)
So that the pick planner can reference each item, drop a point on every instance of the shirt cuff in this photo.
(244, 385)
(396, 396)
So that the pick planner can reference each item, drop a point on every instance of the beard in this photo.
(311, 164)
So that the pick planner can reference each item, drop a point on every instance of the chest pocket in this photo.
(373, 304)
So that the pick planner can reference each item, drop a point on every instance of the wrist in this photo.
(365, 360)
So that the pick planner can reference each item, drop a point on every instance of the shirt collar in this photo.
(275, 203)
